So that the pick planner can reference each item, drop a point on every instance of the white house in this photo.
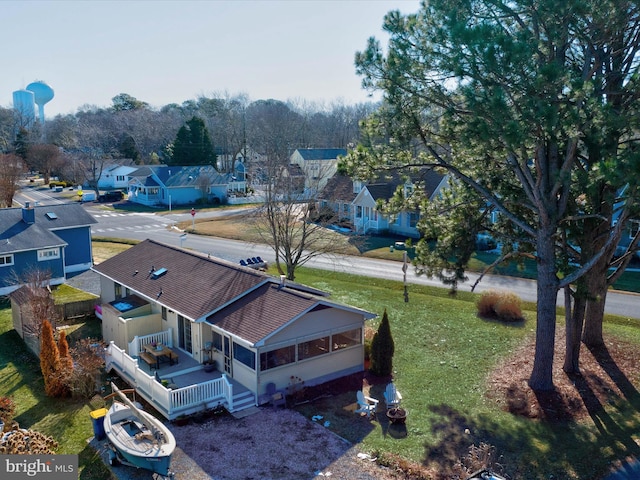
(318, 165)
(116, 176)
(257, 328)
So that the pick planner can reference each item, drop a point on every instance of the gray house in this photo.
(256, 328)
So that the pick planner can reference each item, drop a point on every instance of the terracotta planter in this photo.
(397, 415)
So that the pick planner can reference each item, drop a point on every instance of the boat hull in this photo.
(137, 443)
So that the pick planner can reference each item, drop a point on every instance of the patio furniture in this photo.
(158, 352)
(366, 404)
(392, 396)
(243, 263)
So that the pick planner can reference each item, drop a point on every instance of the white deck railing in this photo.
(137, 344)
(170, 402)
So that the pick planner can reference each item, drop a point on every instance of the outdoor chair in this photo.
(243, 263)
(249, 261)
(366, 404)
(260, 260)
(392, 396)
(276, 397)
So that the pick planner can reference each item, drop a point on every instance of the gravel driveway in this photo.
(271, 444)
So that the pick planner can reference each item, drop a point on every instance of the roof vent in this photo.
(160, 272)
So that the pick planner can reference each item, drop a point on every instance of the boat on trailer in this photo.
(138, 438)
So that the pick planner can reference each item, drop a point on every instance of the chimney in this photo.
(28, 214)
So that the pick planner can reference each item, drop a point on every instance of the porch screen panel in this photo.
(346, 339)
(244, 356)
(278, 357)
(313, 348)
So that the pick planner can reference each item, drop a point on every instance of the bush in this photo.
(7, 410)
(504, 306)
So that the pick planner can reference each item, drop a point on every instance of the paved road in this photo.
(140, 226)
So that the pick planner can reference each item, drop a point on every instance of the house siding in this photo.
(25, 261)
(78, 254)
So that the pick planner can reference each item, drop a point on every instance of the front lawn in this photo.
(444, 353)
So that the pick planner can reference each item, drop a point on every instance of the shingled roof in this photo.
(244, 302)
(188, 282)
(16, 234)
(321, 153)
(339, 187)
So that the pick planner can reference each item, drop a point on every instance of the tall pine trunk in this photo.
(574, 320)
(542, 375)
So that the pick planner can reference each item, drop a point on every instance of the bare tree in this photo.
(287, 221)
(11, 170)
(38, 304)
(44, 158)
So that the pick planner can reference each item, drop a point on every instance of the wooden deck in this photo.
(189, 389)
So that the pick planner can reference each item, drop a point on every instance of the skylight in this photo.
(158, 273)
(51, 215)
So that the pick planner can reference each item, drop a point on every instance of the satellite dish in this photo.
(43, 94)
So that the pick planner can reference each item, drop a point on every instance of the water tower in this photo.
(43, 93)
(24, 104)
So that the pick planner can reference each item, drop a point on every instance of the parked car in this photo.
(114, 196)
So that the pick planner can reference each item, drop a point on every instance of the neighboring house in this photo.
(338, 195)
(366, 217)
(176, 185)
(116, 176)
(318, 165)
(257, 328)
(53, 238)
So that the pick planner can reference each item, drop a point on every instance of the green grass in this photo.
(444, 352)
(65, 420)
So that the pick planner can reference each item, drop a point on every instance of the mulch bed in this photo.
(606, 374)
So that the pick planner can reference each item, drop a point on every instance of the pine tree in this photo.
(193, 145)
(382, 349)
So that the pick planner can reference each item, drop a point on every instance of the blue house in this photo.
(178, 185)
(53, 238)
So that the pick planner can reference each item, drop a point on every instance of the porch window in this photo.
(117, 290)
(358, 211)
(217, 341)
(48, 254)
(244, 355)
(277, 357)
(6, 260)
(164, 313)
(633, 229)
(313, 348)
(413, 219)
(346, 339)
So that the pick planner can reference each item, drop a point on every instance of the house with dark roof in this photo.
(55, 239)
(338, 196)
(181, 185)
(318, 165)
(366, 216)
(256, 328)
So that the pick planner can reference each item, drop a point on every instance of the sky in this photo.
(164, 52)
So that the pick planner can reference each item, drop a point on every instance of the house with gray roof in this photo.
(366, 215)
(318, 165)
(258, 329)
(54, 239)
(180, 185)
